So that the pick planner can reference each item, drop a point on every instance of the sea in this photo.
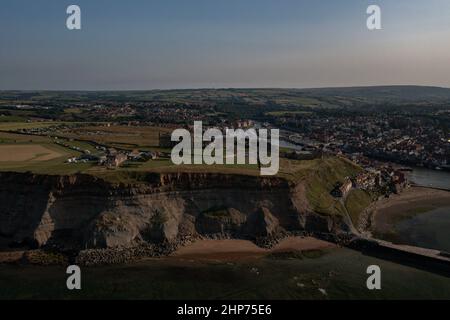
(338, 273)
(429, 229)
(430, 178)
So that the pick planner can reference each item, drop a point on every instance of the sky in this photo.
(166, 44)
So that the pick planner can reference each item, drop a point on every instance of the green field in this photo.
(322, 178)
(53, 166)
(288, 113)
(10, 126)
(355, 202)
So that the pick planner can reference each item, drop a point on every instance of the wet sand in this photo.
(220, 250)
(411, 202)
(232, 250)
(11, 256)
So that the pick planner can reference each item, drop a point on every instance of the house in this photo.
(135, 155)
(243, 124)
(399, 181)
(341, 190)
(112, 151)
(366, 181)
(71, 160)
(115, 160)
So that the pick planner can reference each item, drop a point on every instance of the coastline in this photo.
(415, 200)
(382, 216)
(198, 250)
(231, 250)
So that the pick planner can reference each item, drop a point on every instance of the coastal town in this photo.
(215, 159)
(406, 136)
(399, 139)
(338, 168)
(384, 145)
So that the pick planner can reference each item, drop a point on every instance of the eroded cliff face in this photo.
(82, 211)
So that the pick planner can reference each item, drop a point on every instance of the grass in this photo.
(123, 137)
(4, 118)
(322, 178)
(12, 126)
(287, 113)
(53, 166)
(73, 110)
(83, 145)
(131, 174)
(356, 201)
(298, 101)
(8, 138)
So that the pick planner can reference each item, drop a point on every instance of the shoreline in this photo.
(232, 250)
(415, 200)
(383, 214)
(415, 185)
(200, 249)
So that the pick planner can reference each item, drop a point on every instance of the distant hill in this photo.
(411, 93)
(314, 97)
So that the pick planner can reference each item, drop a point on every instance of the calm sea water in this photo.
(339, 274)
(429, 230)
(430, 178)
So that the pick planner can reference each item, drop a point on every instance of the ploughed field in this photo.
(38, 154)
(27, 152)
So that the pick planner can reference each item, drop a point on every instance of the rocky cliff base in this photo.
(111, 222)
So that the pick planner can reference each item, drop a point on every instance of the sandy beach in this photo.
(412, 201)
(11, 256)
(230, 250)
(217, 250)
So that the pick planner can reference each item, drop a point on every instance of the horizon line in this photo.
(227, 88)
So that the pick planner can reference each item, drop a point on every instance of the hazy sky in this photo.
(222, 43)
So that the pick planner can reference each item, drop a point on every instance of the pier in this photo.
(421, 258)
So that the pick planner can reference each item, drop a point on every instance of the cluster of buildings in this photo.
(382, 181)
(113, 112)
(165, 139)
(418, 141)
(114, 158)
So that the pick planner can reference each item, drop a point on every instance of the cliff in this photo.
(83, 211)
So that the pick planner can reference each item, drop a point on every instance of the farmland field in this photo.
(7, 126)
(119, 136)
(25, 152)
(38, 154)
